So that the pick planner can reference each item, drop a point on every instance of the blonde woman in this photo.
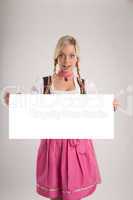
(66, 169)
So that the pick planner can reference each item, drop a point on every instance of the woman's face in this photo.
(67, 58)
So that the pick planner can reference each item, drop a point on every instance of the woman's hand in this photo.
(6, 98)
(115, 104)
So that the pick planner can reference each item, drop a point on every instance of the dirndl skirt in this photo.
(66, 168)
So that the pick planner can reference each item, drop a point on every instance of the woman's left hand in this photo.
(115, 104)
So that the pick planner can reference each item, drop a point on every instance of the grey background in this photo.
(29, 32)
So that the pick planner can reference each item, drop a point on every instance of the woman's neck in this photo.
(66, 75)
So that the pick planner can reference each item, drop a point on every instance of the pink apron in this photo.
(66, 168)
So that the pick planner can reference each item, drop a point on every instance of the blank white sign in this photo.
(58, 116)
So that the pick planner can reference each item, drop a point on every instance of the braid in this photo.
(81, 81)
(78, 71)
(55, 63)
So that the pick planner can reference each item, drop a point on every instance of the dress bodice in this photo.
(38, 87)
(76, 90)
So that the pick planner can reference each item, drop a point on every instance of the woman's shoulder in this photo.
(37, 86)
(90, 85)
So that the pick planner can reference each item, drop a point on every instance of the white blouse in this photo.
(76, 90)
(37, 88)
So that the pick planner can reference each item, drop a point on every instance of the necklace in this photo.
(65, 74)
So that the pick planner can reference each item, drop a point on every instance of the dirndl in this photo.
(66, 168)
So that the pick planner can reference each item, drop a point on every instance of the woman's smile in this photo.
(66, 66)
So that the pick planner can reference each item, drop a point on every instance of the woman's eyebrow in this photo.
(69, 53)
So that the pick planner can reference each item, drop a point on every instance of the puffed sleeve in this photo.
(90, 87)
(37, 87)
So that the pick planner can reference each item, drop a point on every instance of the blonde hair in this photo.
(67, 39)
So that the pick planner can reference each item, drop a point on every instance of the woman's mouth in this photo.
(66, 67)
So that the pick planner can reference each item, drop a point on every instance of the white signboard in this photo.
(58, 116)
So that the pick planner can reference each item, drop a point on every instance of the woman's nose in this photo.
(66, 58)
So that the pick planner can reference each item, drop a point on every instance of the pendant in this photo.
(66, 79)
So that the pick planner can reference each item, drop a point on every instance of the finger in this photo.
(116, 103)
(115, 108)
(6, 94)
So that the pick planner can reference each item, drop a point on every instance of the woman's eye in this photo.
(72, 55)
(61, 55)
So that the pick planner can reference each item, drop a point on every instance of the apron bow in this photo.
(79, 144)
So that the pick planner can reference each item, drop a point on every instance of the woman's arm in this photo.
(37, 87)
(92, 89)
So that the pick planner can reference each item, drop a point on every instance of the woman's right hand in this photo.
(7, 96)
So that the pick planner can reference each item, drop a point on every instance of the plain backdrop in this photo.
(29, 31)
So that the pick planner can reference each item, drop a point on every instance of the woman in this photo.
(65, 168)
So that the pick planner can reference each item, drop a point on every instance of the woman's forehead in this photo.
(68, 48)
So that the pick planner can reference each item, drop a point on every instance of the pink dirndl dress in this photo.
(66, 168)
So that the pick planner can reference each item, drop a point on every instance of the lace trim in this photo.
(65, 191)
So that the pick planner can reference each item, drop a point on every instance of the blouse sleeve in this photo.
(90, 87)
(37, 87)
